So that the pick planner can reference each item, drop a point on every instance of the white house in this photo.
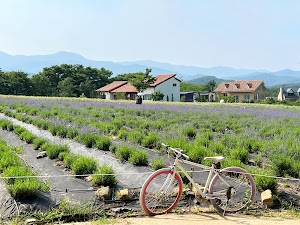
(167, 84)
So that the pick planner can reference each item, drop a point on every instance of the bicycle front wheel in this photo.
(161, 192)
(238, 190)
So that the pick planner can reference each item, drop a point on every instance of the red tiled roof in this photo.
(112, 86)
(162, 78)
(239, 86)
(126, 88)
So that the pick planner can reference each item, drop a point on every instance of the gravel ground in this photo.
(196, 219)
(127, 174)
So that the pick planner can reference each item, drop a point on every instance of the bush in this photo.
(89, 140)
(190, 132)
(112, 148)
(158, 164)
(72, 133)
(240, 154)
(68, 158)
(53, 151)
(27, 136)
(139, 158)
(6, 125)
(38, 142)
(123, 153)
(18, 130)
(103, 143)
(197, 153)
(106, 176)
(84, 165)
(262, 182)
(150, 141)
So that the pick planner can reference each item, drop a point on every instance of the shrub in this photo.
(197, 153)
(240, 154)
(123, 153)
(38, 142)
(262, 181)
(53, 151)
(135, 136)
(84, 165)
(27, 136)
(24, 188)
(139, 158)
(72, 133)
(158, 164)
(106, 176)
(18, 130)
(112, 148)
(89, 140)
(123, 133)
(190, 132)
(5, 124)
(63, 155)
(69, 158)
(103, 143)
(150, 141)
(61, 131)
(7, 159)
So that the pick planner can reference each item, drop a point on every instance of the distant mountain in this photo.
(35, 64)
(192, 74)
(206, 79)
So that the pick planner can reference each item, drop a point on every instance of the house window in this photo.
(236, 98)
(174, 85)
(147, 97)
(246, 97)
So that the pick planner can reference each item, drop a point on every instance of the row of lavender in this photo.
(265, 139)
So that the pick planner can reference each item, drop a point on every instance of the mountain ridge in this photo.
(35, 63)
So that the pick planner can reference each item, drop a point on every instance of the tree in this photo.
(71, 80)
(141, 81)
(41, 85)
(210, 86)
(191, 87)
(158, 96)
(18, 83)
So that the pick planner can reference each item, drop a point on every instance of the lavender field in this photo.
(265, 139)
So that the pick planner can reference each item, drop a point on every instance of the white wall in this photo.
(167, 89)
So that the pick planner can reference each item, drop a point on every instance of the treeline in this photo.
(60, 80)
(67, 80)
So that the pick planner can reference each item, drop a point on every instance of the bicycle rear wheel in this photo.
(239, 188)
(161, 192)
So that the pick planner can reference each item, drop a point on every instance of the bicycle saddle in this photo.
(215, 158)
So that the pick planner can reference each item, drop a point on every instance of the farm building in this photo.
(289, 94)
(167, 84)
(198, 96)
(242, 90)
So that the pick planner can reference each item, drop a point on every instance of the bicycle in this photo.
(229, 190)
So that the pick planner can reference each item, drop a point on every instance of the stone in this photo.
(104, 192)
(267, 198)
(31, 221)
(41, 154)
(123, 194)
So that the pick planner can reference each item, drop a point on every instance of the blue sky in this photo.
(256, 34)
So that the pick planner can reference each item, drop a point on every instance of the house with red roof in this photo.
(167, 84)
(242, 90)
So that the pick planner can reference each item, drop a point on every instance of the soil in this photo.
(196, 219)
(79, 190)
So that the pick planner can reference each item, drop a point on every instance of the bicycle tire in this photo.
(239, 196)
(161, 192)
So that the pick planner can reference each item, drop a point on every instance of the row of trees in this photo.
(59, 80)
(76, 80)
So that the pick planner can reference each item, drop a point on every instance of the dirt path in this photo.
(196, 219)
(127, 175)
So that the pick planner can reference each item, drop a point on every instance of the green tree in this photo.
(158, 96)
(140, 80)
(184, 86)
(18, 83)
(41, 85)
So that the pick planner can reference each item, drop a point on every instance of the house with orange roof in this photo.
(167, 84)
(242, 90)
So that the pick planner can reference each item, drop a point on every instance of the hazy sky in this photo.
(256, 34)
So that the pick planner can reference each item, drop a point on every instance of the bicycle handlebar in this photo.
(176, 150)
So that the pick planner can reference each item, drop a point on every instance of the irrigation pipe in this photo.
(144, 173)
